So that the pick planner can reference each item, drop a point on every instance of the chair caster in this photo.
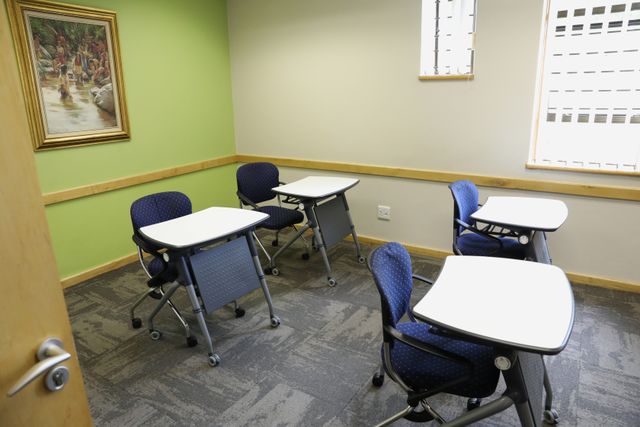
(377, 379)
(551, 416)
(214, 360)
(275, 321)
(268, 270)
(239, 312)
(332, 282)
(473, 403)
(136, 323)
(362, 259)
(275, 271)
(192, 341)
(274, 243)
(305, 256)
(155, 295)
(418, 416)
(155, 335)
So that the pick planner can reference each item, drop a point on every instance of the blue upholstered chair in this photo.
(468, 239)
(255, 181)
(149, 210)
(418, 357)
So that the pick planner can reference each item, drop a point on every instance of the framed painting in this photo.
(69, 59)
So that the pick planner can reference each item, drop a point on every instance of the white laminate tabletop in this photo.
(316, 187)
(523, 212)
(203, 226)
(520, 304)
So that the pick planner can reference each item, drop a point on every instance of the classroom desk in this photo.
(526, 218)
(327, 211)
(524, 309)
(223, 272)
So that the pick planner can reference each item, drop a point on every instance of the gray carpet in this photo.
(315, 369)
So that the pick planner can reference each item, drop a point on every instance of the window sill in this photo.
(447, 77)
(529, 165)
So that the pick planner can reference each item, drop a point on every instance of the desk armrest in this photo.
(421, 345)
(245, 200)
(480, 232)
(422, 279)
(146, 246)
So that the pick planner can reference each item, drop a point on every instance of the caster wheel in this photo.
(551, 416)
(136, 323)
(192, 341)
(155, 335)
(332, 282)
(305, 256)
(418, 416)
(214, 360)
(274, 243)
(268, 270)
(155, 295)
(275, 321)
(473, 403)
(377, 380)
(275, 271)
(362, 259)
(239, 312)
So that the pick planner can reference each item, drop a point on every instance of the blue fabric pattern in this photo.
(391, 268)
(255, 180)
(280, 218)
(465, 196)
(155, 208)
(475, 244)
(159, 207)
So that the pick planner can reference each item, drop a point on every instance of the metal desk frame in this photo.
(322, 193)
(183, 236)
(496, 302)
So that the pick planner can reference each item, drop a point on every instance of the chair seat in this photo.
(475, 244)
(280, 217)
(421, 371)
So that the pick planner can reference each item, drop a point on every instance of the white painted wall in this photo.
(337, 80)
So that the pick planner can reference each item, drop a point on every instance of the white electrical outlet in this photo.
(384, 212)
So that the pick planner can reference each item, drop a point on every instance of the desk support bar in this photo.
(313, 224)
(481, 412)
(275, 321)
(197, 308)
(353, 229)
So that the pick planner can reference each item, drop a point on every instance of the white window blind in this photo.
(589, 100)
(448, 28)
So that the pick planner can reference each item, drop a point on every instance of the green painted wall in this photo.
(175, 62)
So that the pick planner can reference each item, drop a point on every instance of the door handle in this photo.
(50, 353)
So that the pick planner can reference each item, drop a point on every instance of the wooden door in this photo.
(32, 306)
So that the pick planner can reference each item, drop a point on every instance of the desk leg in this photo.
(272, 261)
(539, 250)
(525, 382)
(275, 320)
(214, 359)
(361, 258)
(313, 224)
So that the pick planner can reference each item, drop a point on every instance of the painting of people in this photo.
(75, 73)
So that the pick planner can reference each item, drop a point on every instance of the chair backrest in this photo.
(255, 181)
(159, 207)
(465, 202)
(391, 268)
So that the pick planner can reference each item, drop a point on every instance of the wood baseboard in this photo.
(76, 279)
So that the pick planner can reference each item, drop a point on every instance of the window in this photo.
(448, 28)
(588, 103)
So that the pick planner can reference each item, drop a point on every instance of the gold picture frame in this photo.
(69, 60)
